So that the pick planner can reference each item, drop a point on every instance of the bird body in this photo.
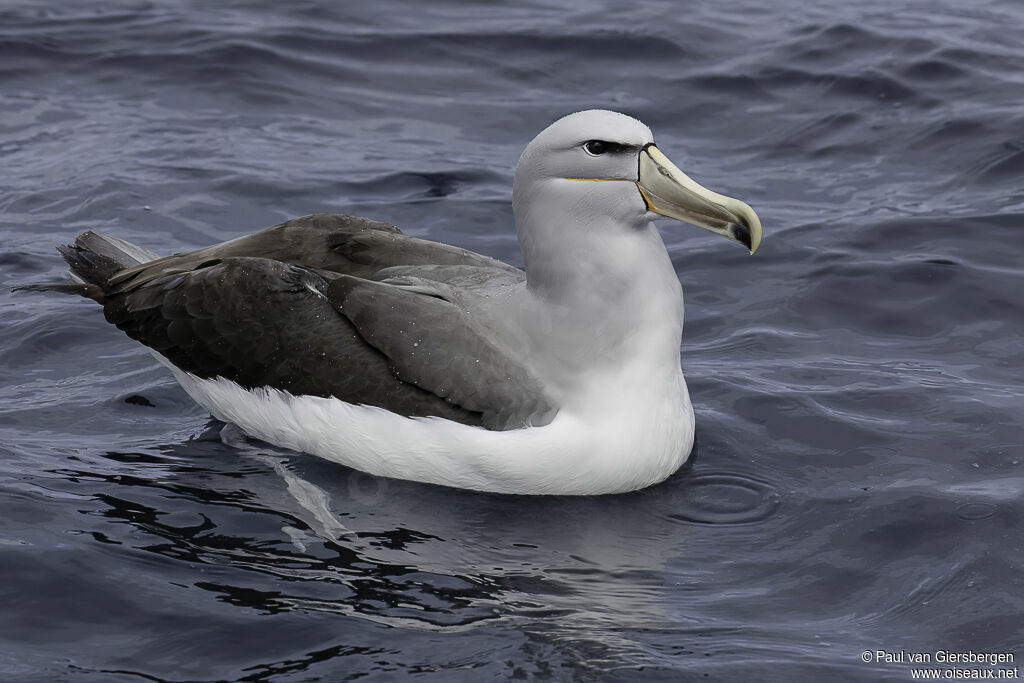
(606, 447)
(341, 337)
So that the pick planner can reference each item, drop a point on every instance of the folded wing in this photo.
(333, 306)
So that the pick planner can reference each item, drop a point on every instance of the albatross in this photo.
(401, 357)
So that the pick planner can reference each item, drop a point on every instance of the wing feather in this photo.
(260, 322)
(331, 305)
(436, 344)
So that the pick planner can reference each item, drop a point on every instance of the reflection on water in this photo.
(461, 562)
(290, 533)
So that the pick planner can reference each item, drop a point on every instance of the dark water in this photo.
(859, 476)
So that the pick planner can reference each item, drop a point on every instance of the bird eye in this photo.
(595, 147)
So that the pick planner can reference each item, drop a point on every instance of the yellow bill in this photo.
(670, 192)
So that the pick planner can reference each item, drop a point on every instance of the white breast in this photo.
(613, 445)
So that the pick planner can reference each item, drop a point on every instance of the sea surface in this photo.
(858, 479)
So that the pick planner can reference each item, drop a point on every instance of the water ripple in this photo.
(727, 498)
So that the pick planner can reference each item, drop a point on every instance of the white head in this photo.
(595, 177)
(565, 150)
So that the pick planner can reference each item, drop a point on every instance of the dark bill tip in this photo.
(741, 233)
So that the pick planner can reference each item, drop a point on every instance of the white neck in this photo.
(601, 287)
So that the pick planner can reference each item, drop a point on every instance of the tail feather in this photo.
(124, 252)
(92, 260)
(88, 290)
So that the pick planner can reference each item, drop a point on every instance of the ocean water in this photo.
(858, 480)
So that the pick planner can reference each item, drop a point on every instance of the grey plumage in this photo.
(324, 305)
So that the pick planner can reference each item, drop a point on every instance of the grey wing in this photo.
(332, 242)
(260, 322)
(433, 342)
(300, 307)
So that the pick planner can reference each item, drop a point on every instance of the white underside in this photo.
(605, 448)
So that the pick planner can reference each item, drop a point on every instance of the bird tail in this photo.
(92, 260)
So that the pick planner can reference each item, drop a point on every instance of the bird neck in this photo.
(602, 286)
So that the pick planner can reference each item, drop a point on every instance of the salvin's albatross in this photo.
(401, 357)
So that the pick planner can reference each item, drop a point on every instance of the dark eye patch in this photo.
(599, 147)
